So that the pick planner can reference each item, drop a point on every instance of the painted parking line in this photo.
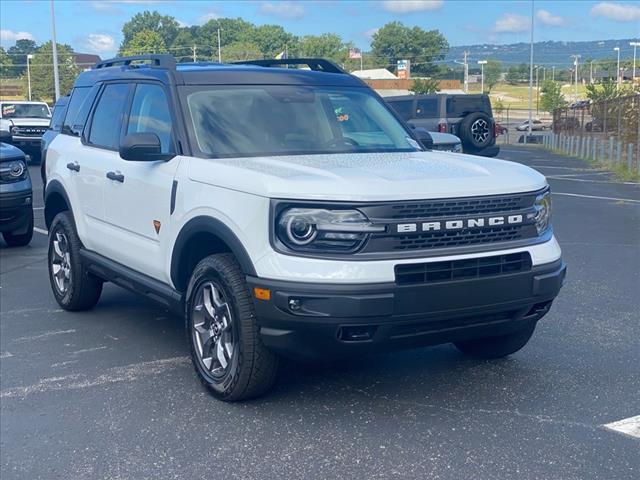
(587, 180)
(628, 426)
(40, 230)
(597, 197)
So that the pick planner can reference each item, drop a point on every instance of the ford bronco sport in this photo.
(289, 212)
(22, 124)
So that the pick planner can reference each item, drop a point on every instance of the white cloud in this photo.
(11, 36)
(282, 9)
(511, 23)
(547, 18)
(98, 43)
(616, 11)
(408, 6)
(208, 16)
(370, 33)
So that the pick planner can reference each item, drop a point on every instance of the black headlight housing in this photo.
(13, 171)
(320, 229)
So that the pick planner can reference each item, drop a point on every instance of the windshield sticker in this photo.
(340, 115)
(8, 109)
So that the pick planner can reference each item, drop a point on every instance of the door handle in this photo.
(73, 166)
(117, 176)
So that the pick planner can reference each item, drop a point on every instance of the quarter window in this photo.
(150, 114)
(107, 117)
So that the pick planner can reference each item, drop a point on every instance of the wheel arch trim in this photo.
(54, 187)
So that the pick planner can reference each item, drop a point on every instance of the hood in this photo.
(9, 152)
(29, 122)
(368, 177)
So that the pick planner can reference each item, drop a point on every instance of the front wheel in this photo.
(497, 347)
(74, 288)
(226, 349)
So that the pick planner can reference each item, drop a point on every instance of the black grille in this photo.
(458, 238)
(420, 273)
(454, 208)
(29, 131)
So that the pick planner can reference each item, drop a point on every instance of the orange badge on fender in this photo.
(156, 225)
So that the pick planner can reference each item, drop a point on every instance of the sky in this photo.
(95, 26)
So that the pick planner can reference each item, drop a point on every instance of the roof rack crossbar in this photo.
(161, 61)
(315, 64)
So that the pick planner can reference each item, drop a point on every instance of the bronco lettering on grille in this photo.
(468, 223)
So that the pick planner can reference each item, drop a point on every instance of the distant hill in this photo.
(545, 53)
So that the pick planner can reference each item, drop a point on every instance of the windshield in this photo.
(25, 110)
(256, 120)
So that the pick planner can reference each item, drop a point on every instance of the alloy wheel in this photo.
(480, 130)
(61, 262)
(212, 329)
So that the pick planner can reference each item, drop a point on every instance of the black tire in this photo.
(251, 369)
(83, 289)
(497, 347)
(22, 239)
(476, 130)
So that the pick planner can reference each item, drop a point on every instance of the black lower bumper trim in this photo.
(315, 321)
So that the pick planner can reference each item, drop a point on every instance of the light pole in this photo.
(530, 78)
(537, 69)
(482, 63)
(553, 74)
(617, 49)
(219, 51)
(575, 64)
(54, 49)
(29, 57)
(634, 45)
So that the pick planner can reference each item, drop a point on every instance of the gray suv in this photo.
(466, 116)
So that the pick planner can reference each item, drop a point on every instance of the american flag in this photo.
(355, 53)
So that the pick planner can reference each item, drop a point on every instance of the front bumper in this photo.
(15, 210)
(329, 321)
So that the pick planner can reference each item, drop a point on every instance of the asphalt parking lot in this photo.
(111, 393)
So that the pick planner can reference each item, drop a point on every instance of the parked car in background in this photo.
(22, 125)
(55, 127)
(564, 124)
(16, 197)
(536, 125)
(468, 117)
(501, 129)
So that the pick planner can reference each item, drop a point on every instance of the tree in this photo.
(552, 97)
(492, 74)
(232, 30)
(164, 25)
(517, 73)
(327, 45)
(143, 42)
(42, 86)
(425, 85)
(240, 51)
(18, 54)
(182, 46)
(394, 42)
(273, 39)
(5, 60)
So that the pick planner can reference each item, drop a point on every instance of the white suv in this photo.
(289, 211)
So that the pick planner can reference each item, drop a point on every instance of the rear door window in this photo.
(404, 108)
(106, 124)
(58, 116)
(78, 109)
(427, 108)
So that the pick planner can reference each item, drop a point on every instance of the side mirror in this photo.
(143, 147)
(424, 137)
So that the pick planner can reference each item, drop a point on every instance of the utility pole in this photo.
(482, 63)
(537, 91)
(591, 72)
(530, 78)
(219, 51)
(634, 45)
(575, 65)
(195, 57)
(29, 57)
(617, 49)
(544, 75)
(54, 48)
(466, 73)
(553, 74)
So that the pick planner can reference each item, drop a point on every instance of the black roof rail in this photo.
(315, 64)
(160, 60)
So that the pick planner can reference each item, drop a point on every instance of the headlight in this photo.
(13, 171)
(542, 214)
(5, 125)
(309, 230)
(457, 148)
